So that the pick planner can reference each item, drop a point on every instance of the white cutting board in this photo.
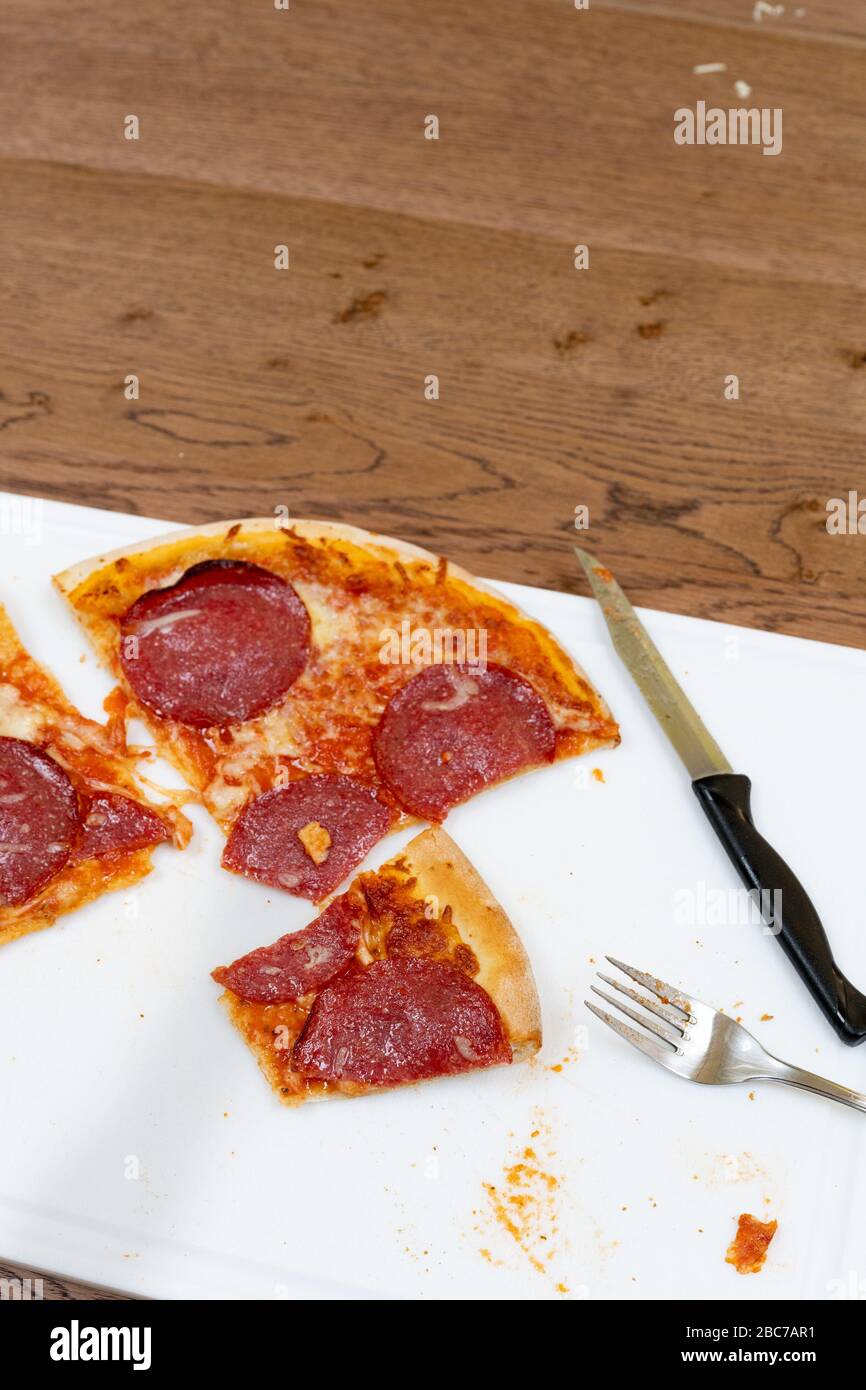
(142, 1150)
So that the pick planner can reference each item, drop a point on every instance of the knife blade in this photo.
(725, 797)
(656, 682)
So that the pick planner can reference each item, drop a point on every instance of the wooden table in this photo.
(410, 257)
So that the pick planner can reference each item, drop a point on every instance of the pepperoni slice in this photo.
(279, 836)
(452, 730)
(114, 823)
(300, 962)
(220, 646)
(39, 820)
(400, 1020)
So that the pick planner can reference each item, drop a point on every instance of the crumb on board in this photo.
(525, 1202)
(748, 1250)
(572, 1055)
(766, 1018)
(598, 774)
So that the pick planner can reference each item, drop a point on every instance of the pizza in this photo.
(319, 686)
(73, 820)
(414, 972)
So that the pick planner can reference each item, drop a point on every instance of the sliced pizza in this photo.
(319, 685)
(73, 820)
(414, 972)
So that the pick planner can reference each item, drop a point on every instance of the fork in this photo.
(700, 1043)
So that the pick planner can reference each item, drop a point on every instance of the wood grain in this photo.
(840, 20)
(552, 120)
(52, 1288)
(558, 388)
(304, 388)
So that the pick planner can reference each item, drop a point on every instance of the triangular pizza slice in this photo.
(74, 822)
(414, 972)
(319, 685)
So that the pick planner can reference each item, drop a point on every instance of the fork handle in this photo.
(808, 1081)
(784, 903)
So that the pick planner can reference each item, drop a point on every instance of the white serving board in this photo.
(142, 1150)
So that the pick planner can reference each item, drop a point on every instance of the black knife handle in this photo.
(725, 797)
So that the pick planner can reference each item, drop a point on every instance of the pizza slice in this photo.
(413, 972)
(73, 821)
(318, 685)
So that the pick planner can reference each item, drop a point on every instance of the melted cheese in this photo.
(18, 719)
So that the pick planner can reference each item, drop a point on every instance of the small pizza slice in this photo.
(414, 972)
(319, 685)
(73, 821)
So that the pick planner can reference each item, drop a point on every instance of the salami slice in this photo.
(452, 730)
(306, 837)
(220, 646)
(114, 823)
(400, 1020)
(300, 962)
(39, 820)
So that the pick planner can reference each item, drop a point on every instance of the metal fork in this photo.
(696, 1041)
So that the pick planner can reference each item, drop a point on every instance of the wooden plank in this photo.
(559, 387)
(840, 20)
(553, 120)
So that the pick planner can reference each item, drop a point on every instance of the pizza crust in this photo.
(442, 871)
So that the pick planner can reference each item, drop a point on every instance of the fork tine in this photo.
(661, 1030)
(631, 1035)
(668, 994)
(672, 1016)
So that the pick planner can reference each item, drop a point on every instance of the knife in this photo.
(725, 797)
